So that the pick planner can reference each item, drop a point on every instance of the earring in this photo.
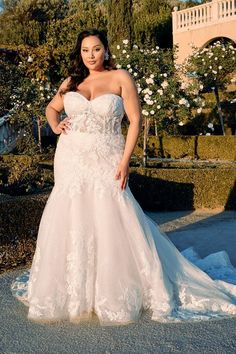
(106, 57)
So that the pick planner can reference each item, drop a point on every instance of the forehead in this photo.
(91, 41)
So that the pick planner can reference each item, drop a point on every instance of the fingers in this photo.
(118, 173)
(124, 181)
(123, 175)
(64, 124)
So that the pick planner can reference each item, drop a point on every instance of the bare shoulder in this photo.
(123, 75)
(57, 101)
(65, 83)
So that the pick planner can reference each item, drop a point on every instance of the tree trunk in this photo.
(216, 91)
(39, 134)
(145, 139)
(156, 129)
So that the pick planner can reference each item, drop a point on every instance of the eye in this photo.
(84, 50)
(97, 49)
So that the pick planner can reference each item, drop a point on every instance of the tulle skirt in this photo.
(98, 253)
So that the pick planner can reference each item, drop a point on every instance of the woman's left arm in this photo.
(133, 110)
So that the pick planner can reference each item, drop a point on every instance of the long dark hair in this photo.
(78, 71)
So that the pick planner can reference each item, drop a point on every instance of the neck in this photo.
(96, 72)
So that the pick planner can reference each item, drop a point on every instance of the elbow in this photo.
(50, 108)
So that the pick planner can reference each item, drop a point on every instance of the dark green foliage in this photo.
(120, 20)
(22, 174)
(153, 23)
(184, 188)
(213, 148)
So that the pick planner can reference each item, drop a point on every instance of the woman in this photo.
(97, 253)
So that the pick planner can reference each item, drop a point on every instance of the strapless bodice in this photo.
(103, 114)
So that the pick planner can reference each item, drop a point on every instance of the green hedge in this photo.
(193, 147)
(19, 222)
(217, 147)
(184, 189)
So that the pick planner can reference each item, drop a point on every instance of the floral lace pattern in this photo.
(80, 278)
(96, 250)
(94, 116)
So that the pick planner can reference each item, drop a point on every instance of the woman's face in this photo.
(92, 52)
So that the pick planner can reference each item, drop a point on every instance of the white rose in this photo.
(149, 80)
(164, 84)
(30, 59)
(144, 112)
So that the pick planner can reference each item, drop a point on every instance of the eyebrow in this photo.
(97, 45)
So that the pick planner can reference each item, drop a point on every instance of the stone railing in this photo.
(213, 12)
(8, 136)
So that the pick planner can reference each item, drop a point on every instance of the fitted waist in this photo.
(96, 133)
(92, 141)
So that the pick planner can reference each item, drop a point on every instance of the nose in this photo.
(91, 55)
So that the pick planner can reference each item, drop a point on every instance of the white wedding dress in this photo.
(97, 252)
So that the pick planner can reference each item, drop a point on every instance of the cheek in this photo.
(100, 55)
(82, 56)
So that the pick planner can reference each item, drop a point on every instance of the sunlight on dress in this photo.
(97, 252)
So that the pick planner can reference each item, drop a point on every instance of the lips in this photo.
(91, 62)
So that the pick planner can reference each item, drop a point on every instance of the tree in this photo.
(211, 67)
(120, 20)
(153, 23)
(166, 102)
(25, 21)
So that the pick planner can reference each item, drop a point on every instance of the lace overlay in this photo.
(97, 252)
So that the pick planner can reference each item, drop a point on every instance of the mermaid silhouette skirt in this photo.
(97, 252)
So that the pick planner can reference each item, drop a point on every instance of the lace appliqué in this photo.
(130, 305)
(80, 266)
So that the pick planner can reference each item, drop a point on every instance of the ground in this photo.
(207, 231)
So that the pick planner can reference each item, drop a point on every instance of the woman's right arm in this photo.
(53, 110)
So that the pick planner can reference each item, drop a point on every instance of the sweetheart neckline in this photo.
(104, 94)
